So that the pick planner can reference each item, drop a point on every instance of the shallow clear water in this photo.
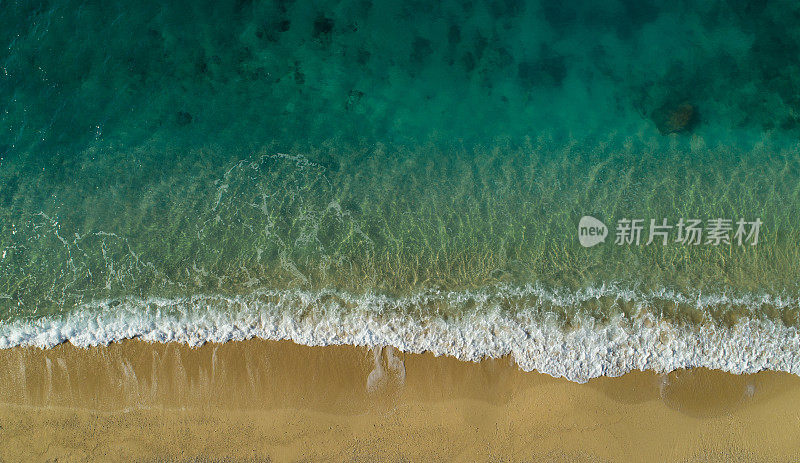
(207, 171)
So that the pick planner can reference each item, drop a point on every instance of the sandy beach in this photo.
(277, 401)
(577, 220)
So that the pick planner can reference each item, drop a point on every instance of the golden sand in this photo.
(277, 401)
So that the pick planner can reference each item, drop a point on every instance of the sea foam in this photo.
(535, 340)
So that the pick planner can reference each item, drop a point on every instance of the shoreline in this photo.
(525, 325)
(260, 400)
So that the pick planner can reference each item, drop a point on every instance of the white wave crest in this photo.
(535, 340)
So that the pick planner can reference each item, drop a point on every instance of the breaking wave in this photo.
(522, 323)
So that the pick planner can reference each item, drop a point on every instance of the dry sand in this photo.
(276, 401)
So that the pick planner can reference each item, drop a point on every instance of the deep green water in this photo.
(391, 149)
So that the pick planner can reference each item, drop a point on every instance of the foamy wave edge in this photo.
(535, 342)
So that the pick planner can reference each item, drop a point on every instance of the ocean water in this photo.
(409, 174)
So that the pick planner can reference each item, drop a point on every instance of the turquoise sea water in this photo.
(404, 173)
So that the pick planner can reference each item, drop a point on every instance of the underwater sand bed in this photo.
(398, 220)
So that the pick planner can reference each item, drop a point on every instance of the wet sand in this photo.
(277, 401)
